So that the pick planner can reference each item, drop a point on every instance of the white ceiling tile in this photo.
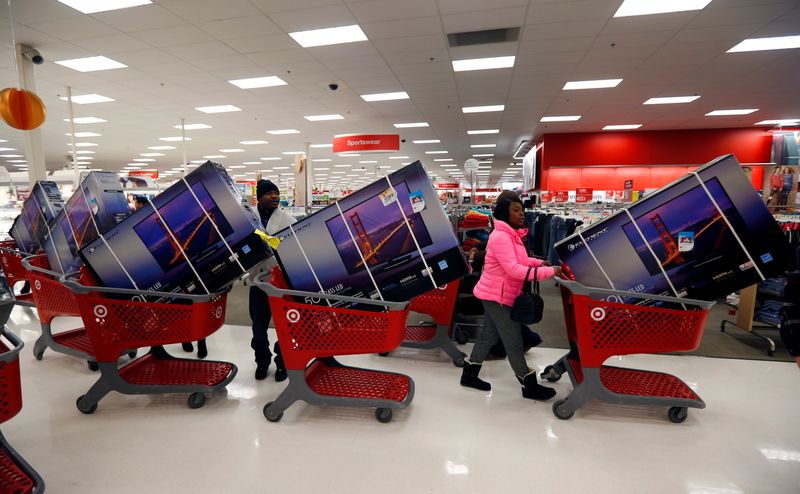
(414, 43)
(241, 27)
(540, 46)
(313, 18)
(370, 72)
(422, 56)
(571, 11)
(762, 13)
(207, 49)
(114, 43)
(560, 30)
(74, 28)
(139, 18)
(354, 62)
(403, 28)
(384, 10)
(346, 50)
(648, 23)
(144, 58)
(255, 44)
(272, 6)
(225, 62)
(212, 10)
(173, 36)
(478, 21)
(459, 6)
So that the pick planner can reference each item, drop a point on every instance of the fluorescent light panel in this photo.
(648, 7)
(91, 64)
(87, 99)
(322, 118)
(763, 44)
(622, 127)
(293, 152)
(329, 36)
(193, 126)
(482, 155)
(483, 63)
(483, 145)
(443, 159)
(280, 132)
(561, 118)
(321, 145)
(214, 156)
(86, 120)
(384, 96)
(598, 84)
(427, 141)
(781, 122)
(218, 109)
(161, 148)
(671, 100)
(270, 158)
(94, 6)
(151, 154)
(724, 113)
(435, 152)
(482, 132)
(258, 82)
(410, 125)
(252, 143)
(483, 109)
(174, 139)
(84, 134)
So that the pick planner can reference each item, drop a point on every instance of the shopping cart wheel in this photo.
(383, 415)
(384, 354)
(84, 409)
(93, 366)
(678, 414)
(550, 374)
(461, 336)
(560, 414)
(132, 354)
(270, 416)
(39, 355)
(196, 400)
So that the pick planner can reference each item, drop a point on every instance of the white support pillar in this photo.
(34, 150)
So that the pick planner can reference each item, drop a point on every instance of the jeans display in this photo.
(545, 229)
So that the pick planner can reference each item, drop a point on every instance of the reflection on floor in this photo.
(450, 439)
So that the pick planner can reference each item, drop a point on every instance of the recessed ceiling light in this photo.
(671, 100)
(789, 122)
(366, 162)
(410, 125)
(321, 145)
(269, 158)
(338, 173)
(86, 120)
(564, 118)
(144, 160)
(398, 157)
(280, 132)
(384, 96)
(293, 152)
(322, 118)
(483, 145)
(84, 144)
(217, 109)
(342, 166)
(236, 167)
(214, 156)
(444, 159)
(251, 162)
(7, 149)
(193, 126)
(257, 82)
(16, 161)
(234, 150)
(622, 127)
(483, 109)
(329, 36)
(252, 143)
(448, 165)
(482, 155)
(174, 139)
(384, 167)
(647, 7)
(151, 154)
(84, 134)
(761, 44)
(161, 148)
(280, 168)
(723, 113)
(486, 162)
(87, 99)
(94, 6)
(197, 162)
(427, 141)
(483, 63)
(435, 152)
(91, 64)
(480, 132)
(323, 160)
(84, 151)
(598, 84)
(11, 156)
(321, 168)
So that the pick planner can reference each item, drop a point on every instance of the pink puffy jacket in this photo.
(505, 266)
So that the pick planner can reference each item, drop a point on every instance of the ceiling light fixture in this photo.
(94, 6)
(384, 96)
(410, 125)
(427, 141)
(214, 156)
(258, 82)
(144, 160)
(251, 162)
(321, 145)
(293, 152)
(280, 132)
(252, 143)
(483, 109)
(323, 160)
(787, 122)
(671, 100)
(329, 36)
(598, 84)
(91, 64)
(398, 157)
(443, 159)
(561, 118)
(322, 118)
(151, 154)
(87, 99)
(234, 150)
(161, 148)
(647, 7)
(435, 152)
(483, 145)
(762, 44)
(84, 134)
(481, 132)
(483, 63)
(483, 155)
(622, 127)
(269, 158)
(724, 113)
(217, 109)
(86, 120)
(174, 139)
(193, 126)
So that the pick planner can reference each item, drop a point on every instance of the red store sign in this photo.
(370, 143)
(546, 196)
(143, 173)
(583, 194)
(561, 195)
(447, 186)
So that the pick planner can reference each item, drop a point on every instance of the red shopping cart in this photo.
(440, 304)
(15, 273)
(119, 319)
(16, 475)
(312, 335)
(600, 326)
(52, 299)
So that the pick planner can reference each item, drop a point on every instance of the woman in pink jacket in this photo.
(501, 282)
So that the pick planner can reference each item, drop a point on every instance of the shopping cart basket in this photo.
(598, 329)
(15, 273)
(117, 319)
(439, 303)
(52, 299)
(16, 475)
(312, 335)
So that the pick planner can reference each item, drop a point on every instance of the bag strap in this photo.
(535, 282)
(527, 275)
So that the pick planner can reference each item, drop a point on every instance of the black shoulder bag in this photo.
(528, 307)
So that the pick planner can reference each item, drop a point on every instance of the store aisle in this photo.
(450, 439)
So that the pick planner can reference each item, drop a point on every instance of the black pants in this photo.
(260, 314)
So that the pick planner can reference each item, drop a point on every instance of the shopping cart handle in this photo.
(69, 280)
(12, 354)
(30, 267)
(271, 289)
(576, 287)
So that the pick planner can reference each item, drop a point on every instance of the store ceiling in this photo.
(181, 53)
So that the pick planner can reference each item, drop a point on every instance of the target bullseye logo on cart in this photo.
(100, 311)
(293, 316)
(598, 314)
(218, 312)
(443, 287)
(38, 284)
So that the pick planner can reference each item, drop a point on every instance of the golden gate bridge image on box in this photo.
(179, 249)
(674, 255)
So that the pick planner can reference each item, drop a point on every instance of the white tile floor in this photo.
(450, 439)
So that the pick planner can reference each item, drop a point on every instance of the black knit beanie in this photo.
(264, 186)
